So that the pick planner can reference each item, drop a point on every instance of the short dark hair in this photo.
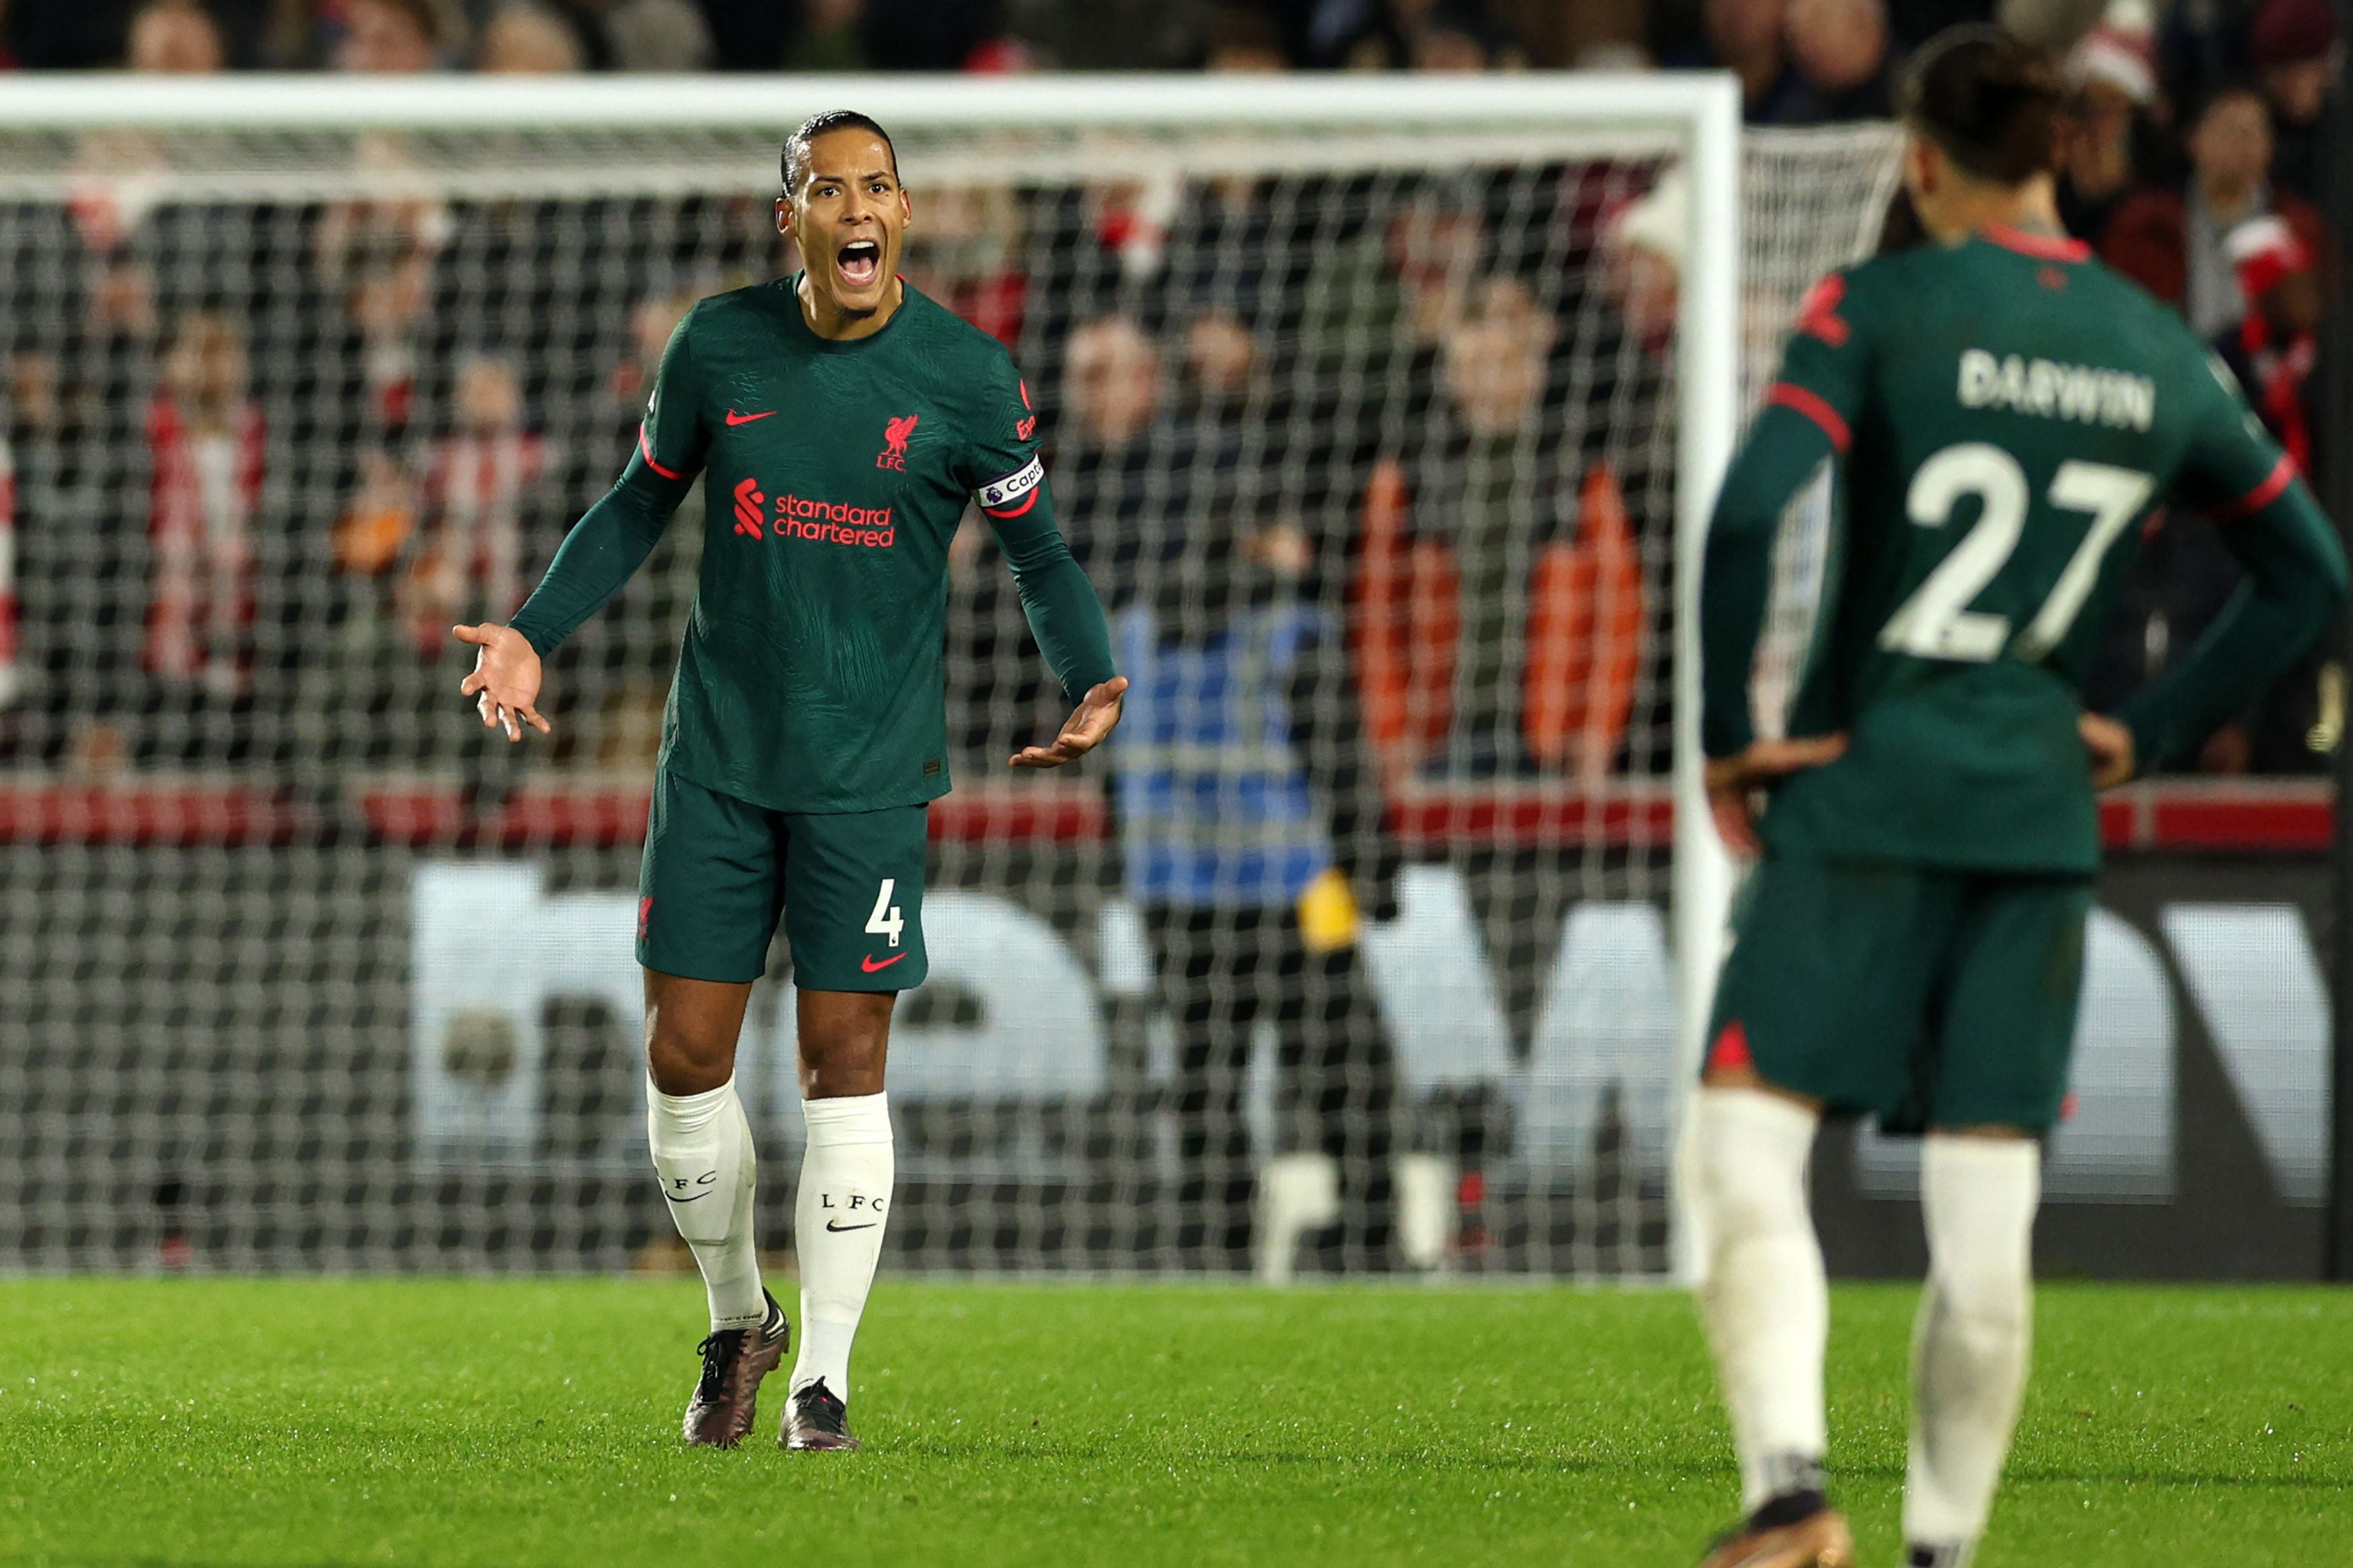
(2221, 92)
(1991, 103)
(794, 161)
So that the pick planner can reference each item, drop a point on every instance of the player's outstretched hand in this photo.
(1733, 781)
(505, 682)
(2109, 746)
(1093, 721)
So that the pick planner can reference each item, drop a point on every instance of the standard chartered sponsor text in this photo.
(833, 523)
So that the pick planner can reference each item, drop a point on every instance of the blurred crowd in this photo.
(1801, 61)
(1438, 409)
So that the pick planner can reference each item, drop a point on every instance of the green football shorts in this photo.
(718, 871)
(1932, 998)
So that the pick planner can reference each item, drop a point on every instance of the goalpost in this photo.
(308, 973)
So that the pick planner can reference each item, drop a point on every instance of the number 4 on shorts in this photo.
(885, 920)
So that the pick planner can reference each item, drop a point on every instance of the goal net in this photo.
(1377, 412)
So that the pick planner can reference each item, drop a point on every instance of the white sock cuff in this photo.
(1757, 1113)
(1977, 1199)
(2016, 1163)
(690, 1112)
(847, 1119)
(1753, 1148)
(1980, 1193)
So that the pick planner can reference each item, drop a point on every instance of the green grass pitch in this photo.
(524, 1423)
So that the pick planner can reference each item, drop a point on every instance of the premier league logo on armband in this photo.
(894, 439)
(998, 498)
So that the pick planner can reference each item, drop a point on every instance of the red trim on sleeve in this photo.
(2042, 248)
(2282, 474)
(1818, 314)
(1009, 516)
(645, 449)
(1798, 399)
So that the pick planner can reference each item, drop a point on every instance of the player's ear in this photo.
(785, 216)
(1928, 165)
(906, 210)
(1920, 166)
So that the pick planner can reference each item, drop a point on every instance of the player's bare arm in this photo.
(505, 681)
(1087, 728)
(1734, 783)
(1789, 444)
(2108, 745)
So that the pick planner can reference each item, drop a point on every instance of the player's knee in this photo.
(1987, 1290)
(843, 1043)
(690, 1029)
(840, 1066)
(1979, 1199)
(1747, 1201)
(683, 1059)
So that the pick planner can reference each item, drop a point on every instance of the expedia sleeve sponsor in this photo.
(999, 495)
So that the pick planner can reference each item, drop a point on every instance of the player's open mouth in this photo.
(861, 261)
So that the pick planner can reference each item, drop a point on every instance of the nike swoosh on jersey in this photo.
(869, 1225)
(871, 967)
(735, 418)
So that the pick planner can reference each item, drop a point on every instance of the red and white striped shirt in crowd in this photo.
(475, 484)
(206, 486)
(10, 681)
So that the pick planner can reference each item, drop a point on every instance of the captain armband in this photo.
(1014, 494)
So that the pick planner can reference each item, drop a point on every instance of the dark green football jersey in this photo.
(2007, 414)
(811, 678)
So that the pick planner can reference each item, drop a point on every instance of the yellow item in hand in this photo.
(1328, 916)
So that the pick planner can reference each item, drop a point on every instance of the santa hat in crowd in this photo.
(2287, 31)
(2265, 250)
(2121, 51)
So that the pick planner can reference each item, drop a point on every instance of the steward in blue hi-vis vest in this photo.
(1215, 804)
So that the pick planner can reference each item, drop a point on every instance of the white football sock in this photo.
(1766, 1299)
(1969, 1348)
(845, 1200)
(702, 1151)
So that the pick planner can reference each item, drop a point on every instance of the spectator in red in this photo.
(2297, 56)
(205, 441)
(477, 484)
(2273, 351)
(2113, 75)
(378, 255)
(10, 680)
(2172, 244)
(968, 255)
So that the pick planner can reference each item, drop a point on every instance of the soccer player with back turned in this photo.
(842, 421)
(2003, 413)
